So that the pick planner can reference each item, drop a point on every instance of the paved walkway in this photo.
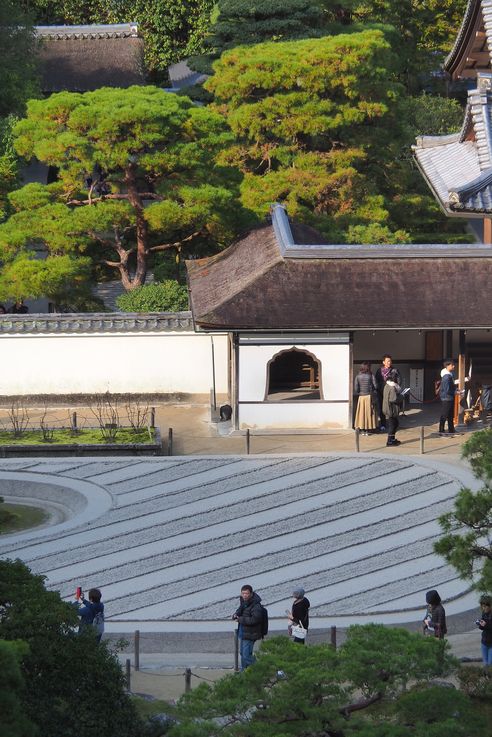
(170, 540)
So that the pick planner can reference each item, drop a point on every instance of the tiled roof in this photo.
(458, 168)
(112, 30)
(105, 322)
(181, 76)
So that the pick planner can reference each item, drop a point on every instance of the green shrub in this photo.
(474, 682)
(168, 296)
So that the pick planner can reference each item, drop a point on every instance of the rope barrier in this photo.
(174, 675)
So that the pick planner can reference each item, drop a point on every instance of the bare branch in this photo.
(165, 246)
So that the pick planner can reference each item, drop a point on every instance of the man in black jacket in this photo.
(249, 615)
(447, 393)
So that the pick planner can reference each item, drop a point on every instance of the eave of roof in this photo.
(476, 11)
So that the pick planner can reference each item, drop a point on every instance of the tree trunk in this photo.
(142, 233)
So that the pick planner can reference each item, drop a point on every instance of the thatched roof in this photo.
(279, 278)
(82, 58)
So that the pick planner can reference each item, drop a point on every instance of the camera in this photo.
(477, 622)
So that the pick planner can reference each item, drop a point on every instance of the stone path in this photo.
(179, 535)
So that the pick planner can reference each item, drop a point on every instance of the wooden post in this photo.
(333, 637)
(170, 442)
(422, 436)
(74, 422)
(128, 670)
(152, 417)
(487, 231)
(357, 440)
(236, 652)
(461, 379)
(137, 649)
(187, 680)
(248, 442)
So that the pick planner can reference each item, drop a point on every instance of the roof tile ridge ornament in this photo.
(459, 195)
(281, 227)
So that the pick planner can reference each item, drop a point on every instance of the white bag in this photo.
(299, 631)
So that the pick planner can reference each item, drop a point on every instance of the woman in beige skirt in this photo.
(365, 390)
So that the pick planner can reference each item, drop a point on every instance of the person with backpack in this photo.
(91, 613)
(484, 623)
(250, 616)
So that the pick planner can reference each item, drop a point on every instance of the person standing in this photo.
(299, 613)
(249, 616)
(485, 625)
(381, 375)
(91, 613)
(365, 390)
(391, 406)
(435, 618)
(447, 393)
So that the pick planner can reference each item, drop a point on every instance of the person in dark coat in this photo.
(435, 618)
(365, 390)
(391, 406)
(87, 610)
(484, 624)
(381, 375)
(299, 613)
(447, 393)
(249, 616)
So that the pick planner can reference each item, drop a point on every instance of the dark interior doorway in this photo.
(292, 375)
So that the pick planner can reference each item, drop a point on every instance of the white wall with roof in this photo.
(173, 362)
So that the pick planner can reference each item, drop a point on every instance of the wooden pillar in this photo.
(487, 230)
(458, 409)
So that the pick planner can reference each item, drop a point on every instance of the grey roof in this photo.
(111, 30)
(92, 322)
(182, 76)
(477, 17)
(458, 168)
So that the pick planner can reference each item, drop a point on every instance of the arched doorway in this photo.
(293, 374)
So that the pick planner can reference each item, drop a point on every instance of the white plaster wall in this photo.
(147, 363)
(335, 382)
(253, 360)
(296, 415)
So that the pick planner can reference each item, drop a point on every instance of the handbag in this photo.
(299, 631)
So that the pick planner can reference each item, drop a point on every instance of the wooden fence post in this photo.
(187, 680)
(248, 442)
(170, 442)
(422, 436)
(333, 637)
(137, 649)
(357, 440)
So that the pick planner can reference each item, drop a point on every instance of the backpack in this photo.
(98, 623)
(264, 621)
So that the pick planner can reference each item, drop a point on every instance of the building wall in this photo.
(332, 411)
(137, 363)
